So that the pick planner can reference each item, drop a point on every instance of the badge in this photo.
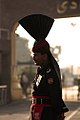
(50, 81)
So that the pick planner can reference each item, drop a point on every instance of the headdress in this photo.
(37, 25)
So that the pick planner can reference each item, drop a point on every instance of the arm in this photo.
(55, 93)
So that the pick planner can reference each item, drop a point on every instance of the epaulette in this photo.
(48, 71)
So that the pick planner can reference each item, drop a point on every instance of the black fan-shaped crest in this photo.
(37, 25)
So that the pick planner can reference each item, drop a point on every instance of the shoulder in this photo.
(50, 76)
(50, 72)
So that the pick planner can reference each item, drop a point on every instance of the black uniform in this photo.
(47, 101)
(47, 89)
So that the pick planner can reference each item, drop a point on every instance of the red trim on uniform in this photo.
(40, 97)
(37, 109)
(43, 105)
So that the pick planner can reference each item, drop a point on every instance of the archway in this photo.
(21, 61)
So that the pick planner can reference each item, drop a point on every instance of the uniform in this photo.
(47, 103)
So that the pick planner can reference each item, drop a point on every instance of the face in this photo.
(39, 58)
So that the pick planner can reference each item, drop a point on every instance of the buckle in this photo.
(33, 100)
(40, 101)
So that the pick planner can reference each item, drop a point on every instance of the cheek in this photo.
(41, 60)
(35, 58)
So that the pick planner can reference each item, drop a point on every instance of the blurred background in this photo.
(16, 61)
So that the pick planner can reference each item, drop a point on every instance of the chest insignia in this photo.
(38, 80)
(50, 81)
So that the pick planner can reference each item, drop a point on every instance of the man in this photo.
(24, 83)
(47, 103)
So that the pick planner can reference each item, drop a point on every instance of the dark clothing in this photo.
(48, 83)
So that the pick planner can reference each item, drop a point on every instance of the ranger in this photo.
(47, 103)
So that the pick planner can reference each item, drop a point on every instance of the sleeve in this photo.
(55, 92)
(64, 107)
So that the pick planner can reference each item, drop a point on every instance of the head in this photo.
(40, 52)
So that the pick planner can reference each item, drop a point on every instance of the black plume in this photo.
(37, 25)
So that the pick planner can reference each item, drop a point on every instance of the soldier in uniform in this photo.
(47, 103)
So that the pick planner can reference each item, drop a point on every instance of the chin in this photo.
(37, 64)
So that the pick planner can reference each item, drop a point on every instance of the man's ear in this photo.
(45, 56)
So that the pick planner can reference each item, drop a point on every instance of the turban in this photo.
(41, 46)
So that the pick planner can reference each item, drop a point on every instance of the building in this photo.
(10, 13)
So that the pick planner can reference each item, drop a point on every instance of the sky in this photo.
(65, 32)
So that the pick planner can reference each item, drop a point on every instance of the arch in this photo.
(14, 64)
(12, 12)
